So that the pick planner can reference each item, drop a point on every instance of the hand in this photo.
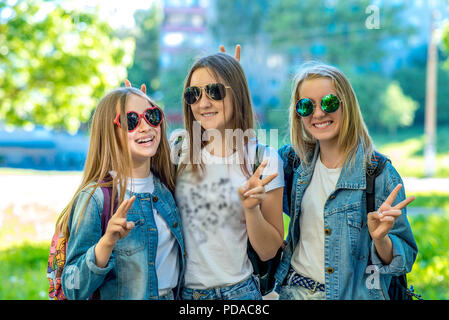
(143, 87)
(381, 222)
(254, 192)
(118, 227)
(237, 51)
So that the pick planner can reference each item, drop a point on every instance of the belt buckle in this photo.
(314, 287)
(197, 295)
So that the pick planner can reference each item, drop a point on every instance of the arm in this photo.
(393, 247)
(265, 224)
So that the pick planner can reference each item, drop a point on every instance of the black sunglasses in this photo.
(153, 116)
(330, 103)
(215, 91)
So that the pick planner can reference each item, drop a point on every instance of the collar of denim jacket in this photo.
(351, 177)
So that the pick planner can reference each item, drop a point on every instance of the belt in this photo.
(295, 278)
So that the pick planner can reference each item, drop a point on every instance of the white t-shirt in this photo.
(308, 256)
(213, 219)
(167, 264)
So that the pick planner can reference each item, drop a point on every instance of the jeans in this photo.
(245, 290)
(168, 296)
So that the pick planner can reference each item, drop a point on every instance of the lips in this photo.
(145, 140)
(209, 114)
(323, 124)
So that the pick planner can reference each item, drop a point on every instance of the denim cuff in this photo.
(397, 265)
(90, 261)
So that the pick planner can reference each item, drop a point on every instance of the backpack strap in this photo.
(105, 217)
(373, 170)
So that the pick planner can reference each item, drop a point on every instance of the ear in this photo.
(127, 83)
(143, 88)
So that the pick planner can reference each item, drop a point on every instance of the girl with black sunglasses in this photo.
(222, 200)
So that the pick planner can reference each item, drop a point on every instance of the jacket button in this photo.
(175, 225)
(155, 199)
(327, 232)
(330, 270)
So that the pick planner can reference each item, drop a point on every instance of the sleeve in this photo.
(405, 248)
(275, 164)
(81, 276)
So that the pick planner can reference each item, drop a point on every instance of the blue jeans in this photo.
(245, 290)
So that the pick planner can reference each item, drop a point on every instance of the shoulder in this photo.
(289, 156)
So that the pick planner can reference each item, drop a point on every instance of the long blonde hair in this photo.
(353, 128)
(229, 69)
(109, 152)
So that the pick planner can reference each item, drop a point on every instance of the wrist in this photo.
(105, 243)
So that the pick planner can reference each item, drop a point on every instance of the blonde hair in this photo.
(109, 152)
(353, 128)
(229, 69)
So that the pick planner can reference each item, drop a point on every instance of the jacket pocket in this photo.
(135, 240)
(354, 226)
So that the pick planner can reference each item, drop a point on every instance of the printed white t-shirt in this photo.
(167, 264)
(308, 256)
(213, 219)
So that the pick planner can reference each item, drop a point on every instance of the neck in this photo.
(330, 154)
(217, 145)
(141, 169)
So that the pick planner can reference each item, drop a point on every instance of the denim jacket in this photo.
(353, 269)
(130, 272)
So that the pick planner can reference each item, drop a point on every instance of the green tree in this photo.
(56, 64)
(145, 67)
(337, 32)
(399, 109)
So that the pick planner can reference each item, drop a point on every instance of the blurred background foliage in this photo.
(56, 62)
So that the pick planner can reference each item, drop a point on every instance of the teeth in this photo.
(145, 140)
(209, 114)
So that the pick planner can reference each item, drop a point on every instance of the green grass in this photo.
(23, 271)
(406, 151)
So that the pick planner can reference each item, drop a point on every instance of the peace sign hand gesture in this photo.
(254, 191)
(118, 227)
(237, 51)
(381, 222)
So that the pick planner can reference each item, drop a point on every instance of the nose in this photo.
(143, 125)
(318, 111)
(204, 101)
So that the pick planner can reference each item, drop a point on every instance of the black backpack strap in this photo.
(373, 170)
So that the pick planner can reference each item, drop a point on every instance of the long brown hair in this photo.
(229, 69)
(353, 127)
(109, 153)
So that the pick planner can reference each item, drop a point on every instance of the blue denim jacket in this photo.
(353, 270)
(130, 272)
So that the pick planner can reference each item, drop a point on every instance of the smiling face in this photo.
(144, 140)
(210, 113)
(325, 127)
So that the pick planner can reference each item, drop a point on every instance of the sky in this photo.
(117, 12)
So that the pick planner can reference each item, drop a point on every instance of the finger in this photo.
(387, 219)
(259, 170)
(403, 204)
(237, 52)
(259, 196)
(127, 83)
(391, 213)
(393, 195)
(268, 179)
(130, 225)
(143, 88)
(259, 189)
(222, 48)
(124, 207)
